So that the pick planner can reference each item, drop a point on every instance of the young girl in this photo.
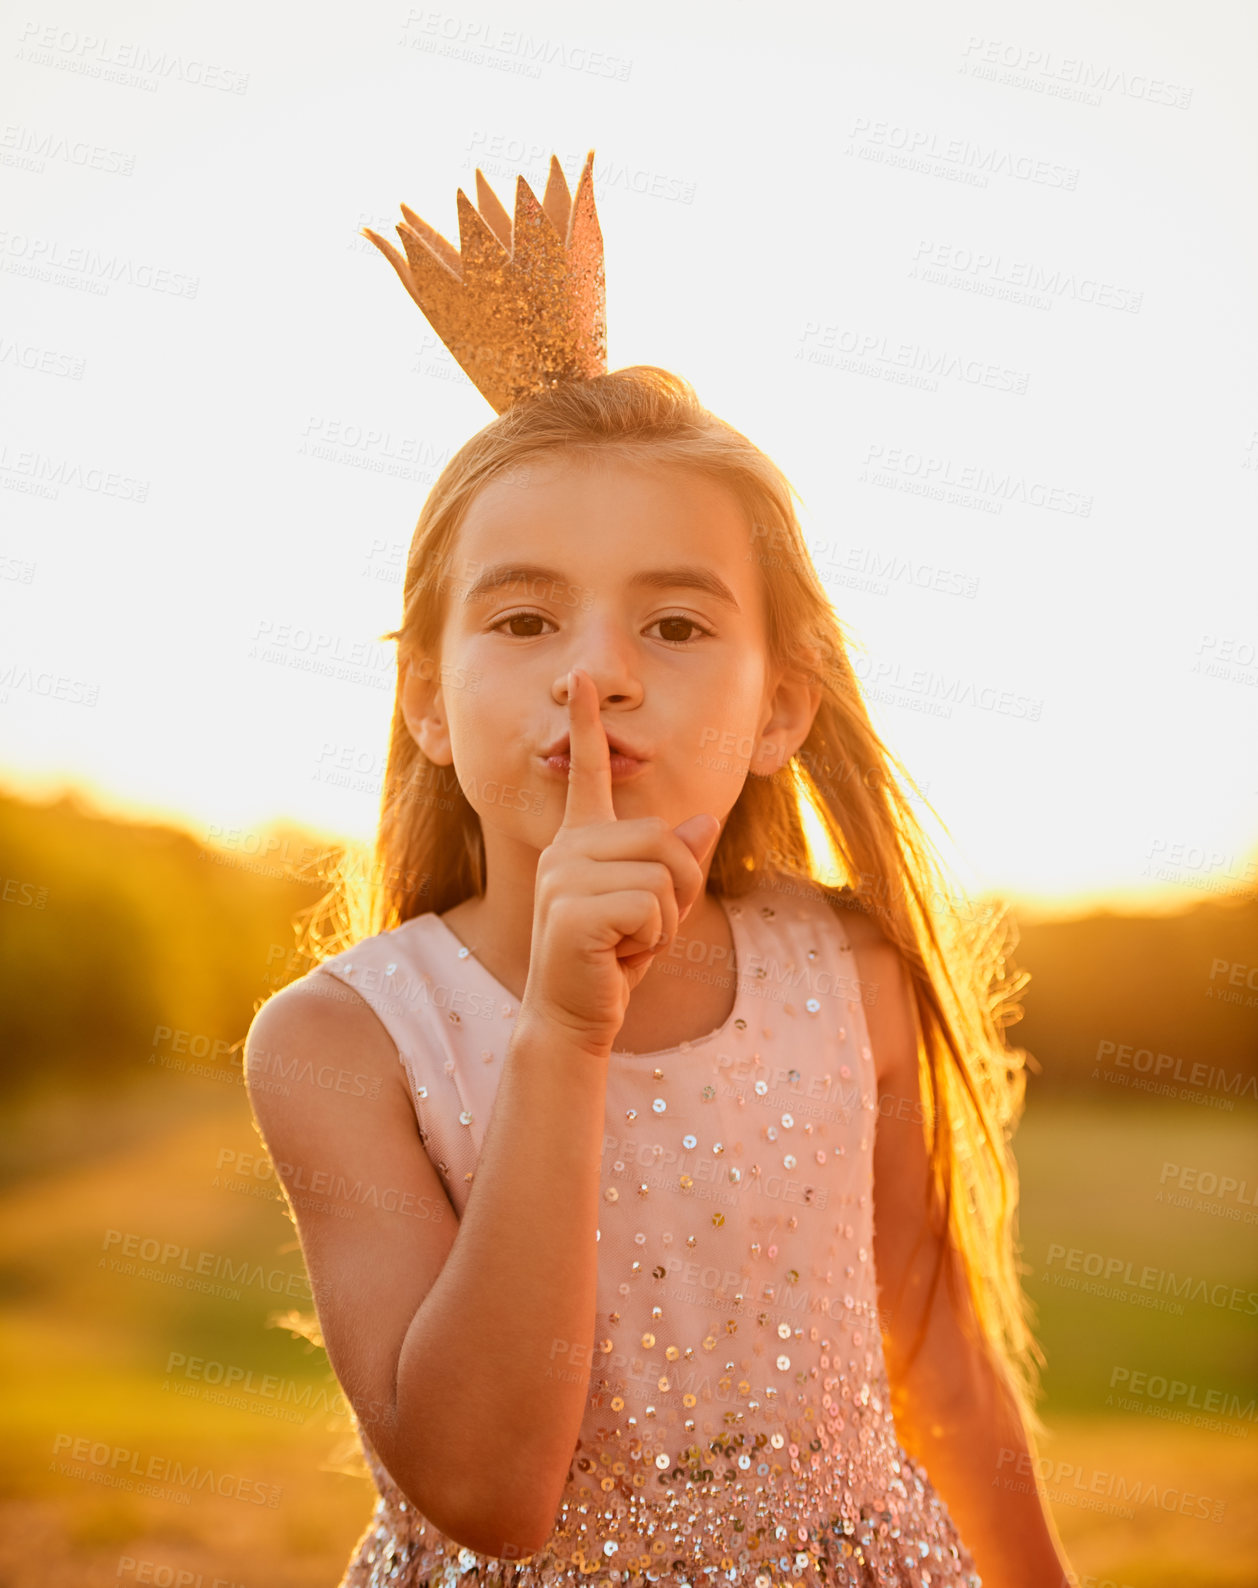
(656, 1198)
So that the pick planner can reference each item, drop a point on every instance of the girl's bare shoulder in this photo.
(318, 998)
(312, 1023)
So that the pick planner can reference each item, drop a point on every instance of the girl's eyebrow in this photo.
(684, 576)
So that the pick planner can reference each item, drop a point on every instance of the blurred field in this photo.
(88, 1349)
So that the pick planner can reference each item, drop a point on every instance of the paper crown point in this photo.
(521, 303)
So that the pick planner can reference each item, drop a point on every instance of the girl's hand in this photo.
(608, 894)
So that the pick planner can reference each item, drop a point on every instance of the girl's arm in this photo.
(448, 1337)
(959, 1418)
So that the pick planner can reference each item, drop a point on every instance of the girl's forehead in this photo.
(649, 529)
(604, 496)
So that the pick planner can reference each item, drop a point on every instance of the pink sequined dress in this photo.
(738, 1428)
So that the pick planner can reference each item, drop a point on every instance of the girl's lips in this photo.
(622, 766)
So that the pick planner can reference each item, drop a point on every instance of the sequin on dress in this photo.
(738, 1427)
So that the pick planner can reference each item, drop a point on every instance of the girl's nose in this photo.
(615, 682)
(611, 692)
(609, 655)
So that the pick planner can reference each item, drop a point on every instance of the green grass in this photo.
(1090, 1183)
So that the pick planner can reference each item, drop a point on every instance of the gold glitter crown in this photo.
(522, 305)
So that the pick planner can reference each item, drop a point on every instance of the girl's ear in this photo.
(423, 711)
(787, 722)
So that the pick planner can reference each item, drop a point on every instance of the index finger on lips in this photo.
(589, 796)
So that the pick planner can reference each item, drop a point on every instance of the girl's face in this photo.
(645, 577)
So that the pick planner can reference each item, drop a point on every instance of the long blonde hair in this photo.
(429, 856)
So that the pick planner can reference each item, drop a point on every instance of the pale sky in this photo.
(980, 281)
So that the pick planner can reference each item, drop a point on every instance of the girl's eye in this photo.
(680, 617)
(673, 618)
(519, 617)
